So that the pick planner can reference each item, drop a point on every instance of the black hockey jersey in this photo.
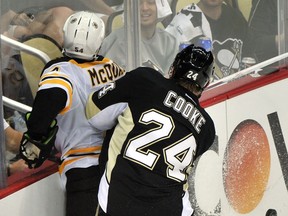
(159, 128)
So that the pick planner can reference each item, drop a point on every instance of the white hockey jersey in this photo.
(78, 143)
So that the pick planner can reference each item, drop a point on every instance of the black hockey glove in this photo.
(35, 152)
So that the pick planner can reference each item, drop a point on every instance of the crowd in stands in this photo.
(218, 22)
(232, 36)
(158, 47)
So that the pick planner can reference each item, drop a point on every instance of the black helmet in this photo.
(193, 64)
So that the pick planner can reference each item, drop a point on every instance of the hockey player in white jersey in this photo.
(64, 87)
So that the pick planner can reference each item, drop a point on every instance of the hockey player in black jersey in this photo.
(159, 129)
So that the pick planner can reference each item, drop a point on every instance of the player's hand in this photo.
(18, 166)
(22, 19)
(35, 152)
(29, 151)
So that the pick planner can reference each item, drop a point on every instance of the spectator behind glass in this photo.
(105, 7)
(35, 20)
(227, 27)
(157, 46)
(24, 18)
(264, 29)
(98, 6)
(12, 141)
(14, 84)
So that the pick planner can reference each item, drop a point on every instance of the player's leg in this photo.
(81, 191)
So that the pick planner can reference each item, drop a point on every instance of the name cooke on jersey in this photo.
(187, 109)
(106, 74)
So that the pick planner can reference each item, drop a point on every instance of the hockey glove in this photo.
(35, 152)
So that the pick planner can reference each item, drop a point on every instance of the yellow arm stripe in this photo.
(54, 74)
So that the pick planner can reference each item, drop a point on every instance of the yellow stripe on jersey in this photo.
(90, 64)
(66, 85)
(94, 149)
(65, 163)
(54, 74)
(81, 152)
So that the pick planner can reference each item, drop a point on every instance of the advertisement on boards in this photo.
(246, 170)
